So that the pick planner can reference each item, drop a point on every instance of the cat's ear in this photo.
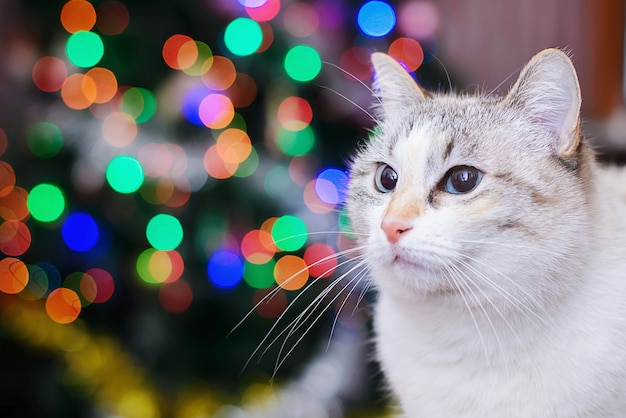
(548, 89)
(393, 84)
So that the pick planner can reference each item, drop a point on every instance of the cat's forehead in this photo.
(463, 119)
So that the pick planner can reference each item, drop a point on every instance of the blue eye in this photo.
(386, 179)
(461, 179)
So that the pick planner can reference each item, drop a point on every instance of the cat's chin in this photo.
(411, 276)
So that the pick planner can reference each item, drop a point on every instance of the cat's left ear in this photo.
(394, 85)
(548, 88)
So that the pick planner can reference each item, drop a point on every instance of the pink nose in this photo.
(394, 228)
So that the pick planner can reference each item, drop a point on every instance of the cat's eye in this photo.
(461, 179)
(386, 178)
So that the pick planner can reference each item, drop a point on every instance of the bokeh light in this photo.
(243, 36)
(408, 52)
(112, 17)
(243, 91)
(139, 103)
(4, 142)
(331, 186)
(84, 49)
(119, 129)
(39, 283)
(155, 266)
(63, 305)
(419, 19)
(49, 73)
(321, 260)
(83, 285)
(46, 202)
(176, 297)
(106, 84)
(104, 283)
(259, 276)
(233, 146)
(289, 233)
(13, 205)
(356, 62)
(80, 232)
(249, 166)
(216, 111)
(171, 52)
(216, 166)
(291, 272)
(264, 12)
(203, 58)
(269, 306)
(295, 143)
(164, 232)
(45, 139)
(79, 91)
(15, 238)
(225, 269)
(301, 20)
(295, 113)
(221, 75)
(258, 247)
(124, 174)
(7, 178)
(303, 63)
(13, 275)
(78, 15)
(376, 18)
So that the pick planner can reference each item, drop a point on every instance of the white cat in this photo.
(498, 249)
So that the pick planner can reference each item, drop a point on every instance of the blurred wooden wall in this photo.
(488, 40)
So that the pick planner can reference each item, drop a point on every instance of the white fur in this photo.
(510, 300)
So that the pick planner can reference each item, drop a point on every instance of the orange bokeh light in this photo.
(78, 15)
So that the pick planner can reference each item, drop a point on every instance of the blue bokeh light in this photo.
(225, 269)
(376, 18)
(331, 186)
(191, 104)
(80, 232)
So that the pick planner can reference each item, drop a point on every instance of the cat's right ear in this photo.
(394, 85)
(548, 90)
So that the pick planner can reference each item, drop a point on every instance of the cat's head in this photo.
(476, 192)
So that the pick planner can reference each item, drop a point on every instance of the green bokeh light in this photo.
(303, 63)
(295, 143)
(45, 139)
(259, 276)
(249, 166)
(84, 49)
(289, 233)
(143, 266)
(46, 202)
(345, 225)
(124, 174)
(139, 103)
(164, 232)
(243, 36)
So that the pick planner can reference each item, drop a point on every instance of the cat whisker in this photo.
(470, 285)
(516, 71)
(301, 323)
(453, 283)
(298, 296)
(523, 308)
(352, 76)
(361, 275)
(445, 70)
(304, 316)
(495, 307)
(352, 102)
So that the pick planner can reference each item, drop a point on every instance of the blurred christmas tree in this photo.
(170, 170)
